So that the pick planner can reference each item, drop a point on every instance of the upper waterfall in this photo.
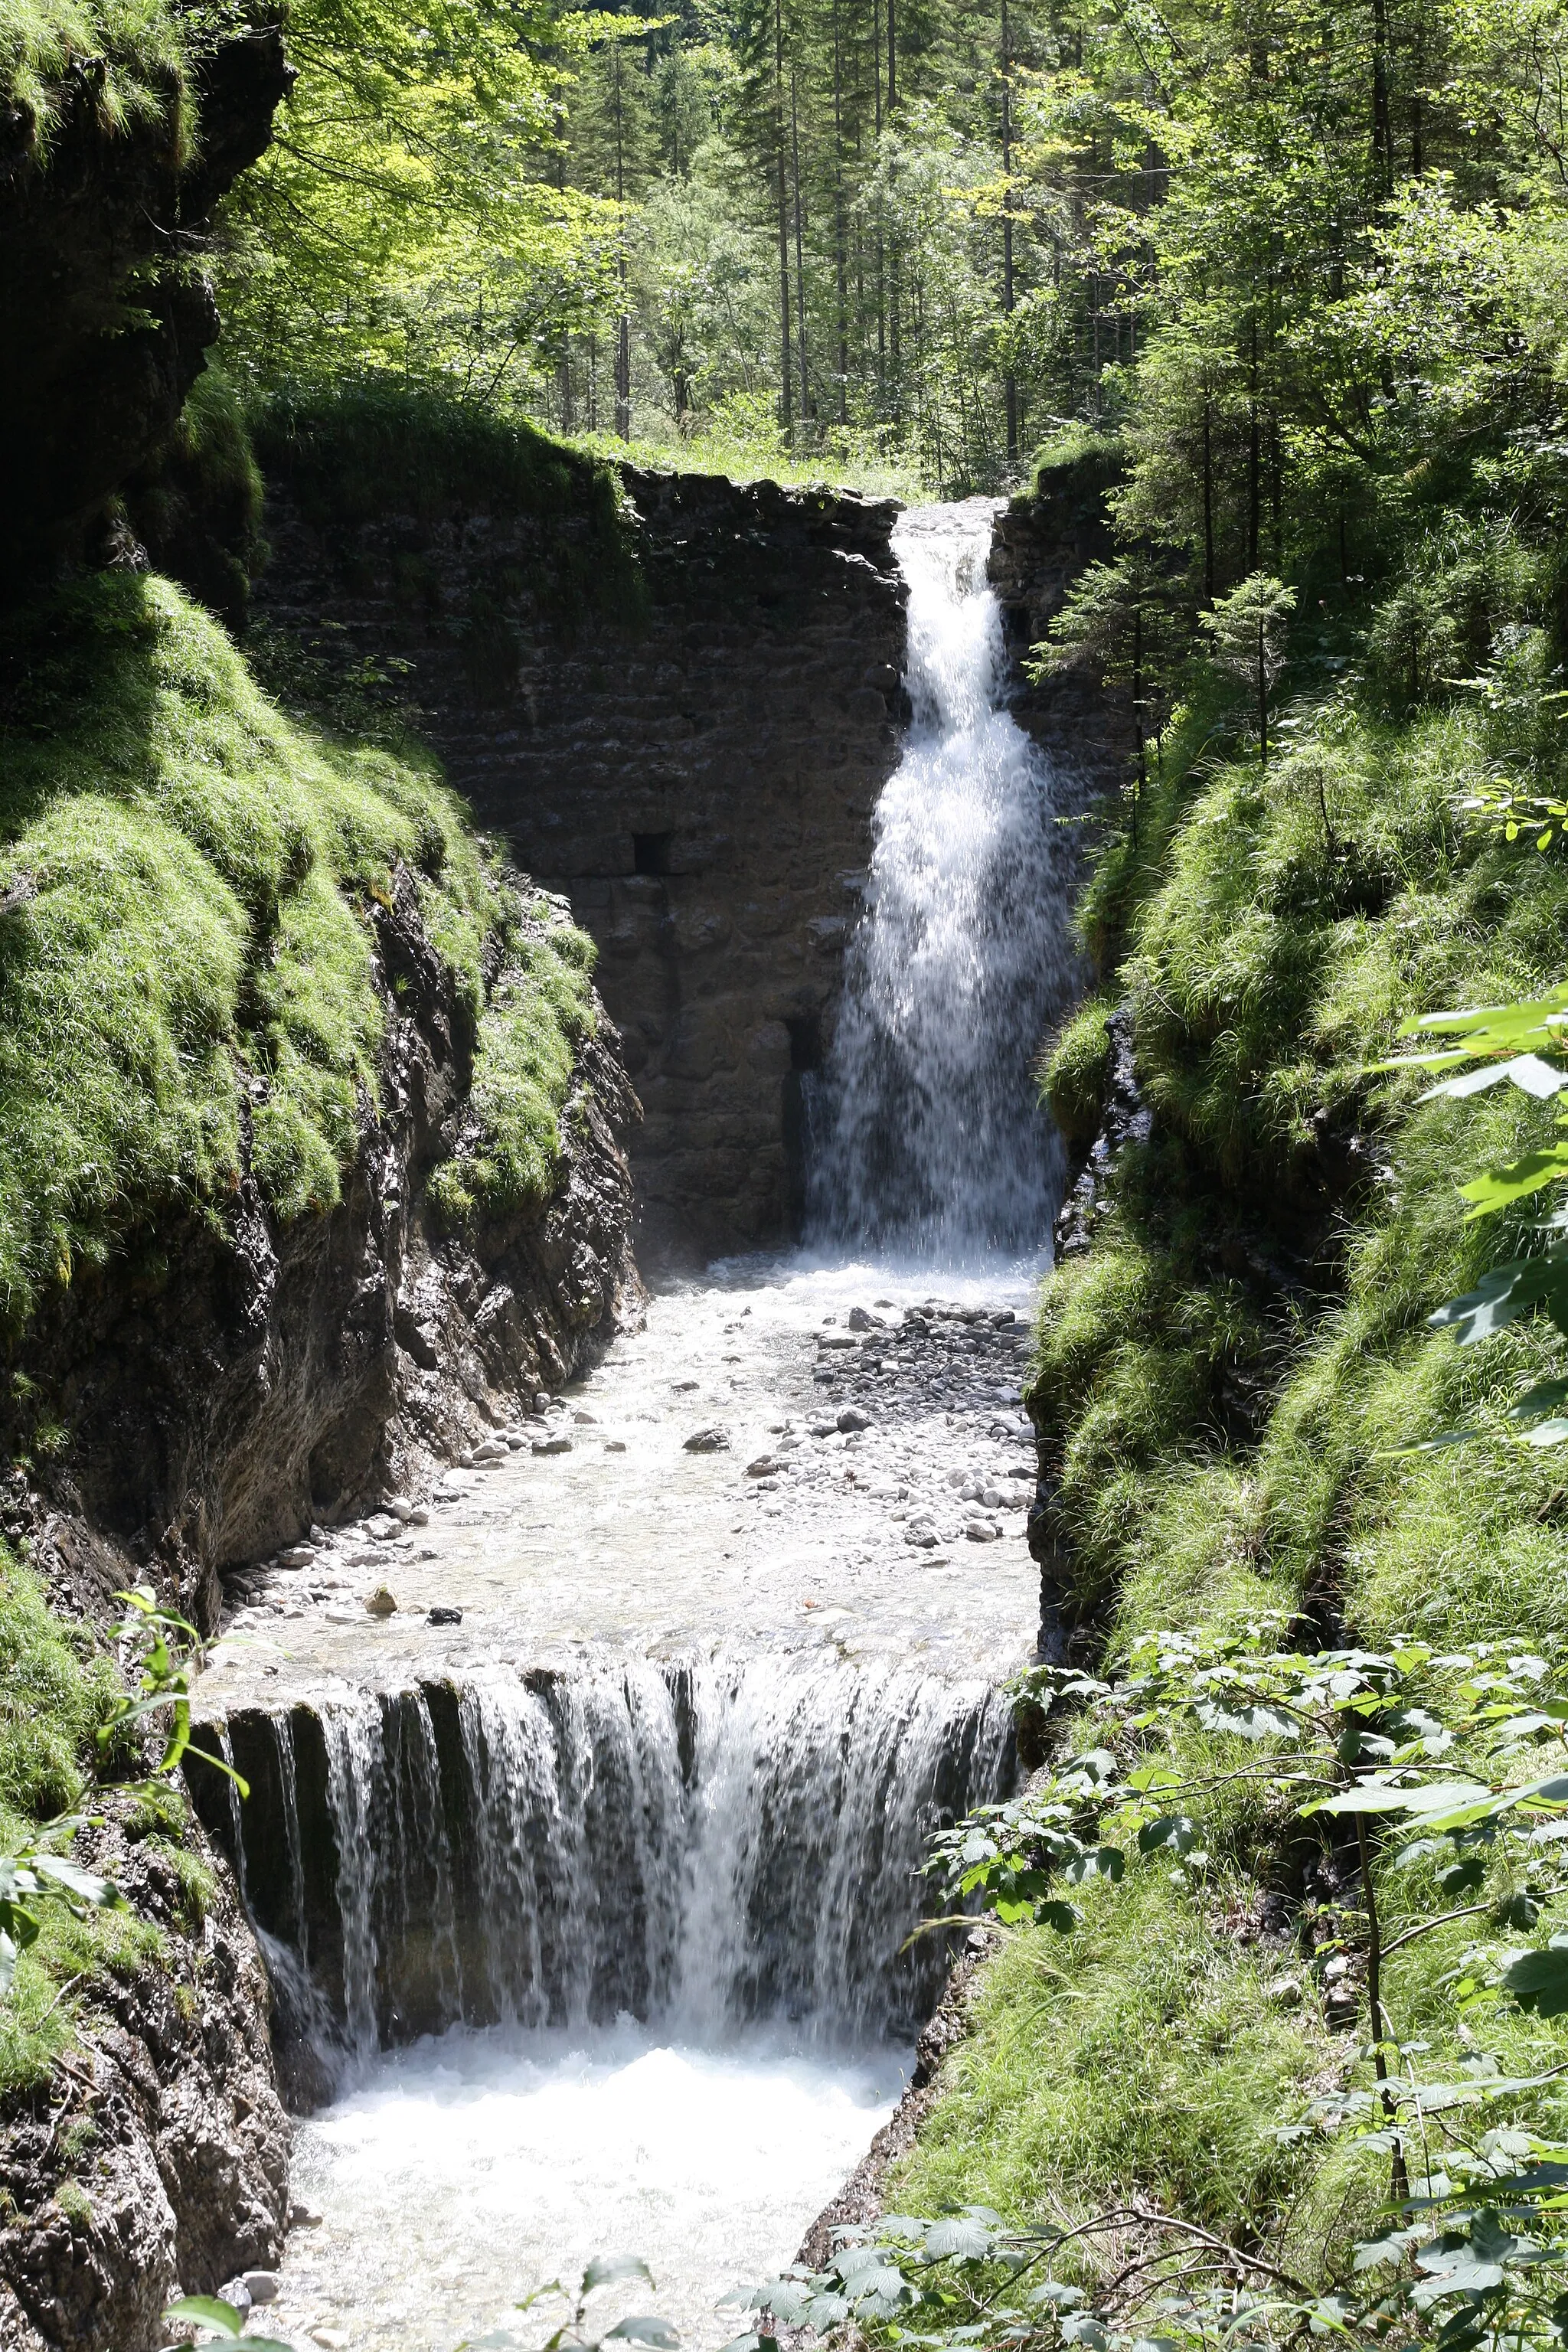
(929, 1137)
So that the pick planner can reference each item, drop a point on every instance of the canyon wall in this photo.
(695, 770)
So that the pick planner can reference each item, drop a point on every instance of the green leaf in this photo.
(1499, 1187)
(605, 2268)
(1520, 1287)
(1063, 1916)
(1539, 1981)
(643, 2330)
(208, 2311)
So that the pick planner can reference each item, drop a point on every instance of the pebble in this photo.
(981, 1531)
(588, 1420)
(553, 1445)
(381, 1527)
(299, 1555)
(420, 1515)
(493, 1449)
(713, 1440)
(331, 2339)
(303, 2217)
(762, 1467)
(615, 1444)
(263, 2285)
(836, 1339)
(238, 2295)
(444, 1617)
(379, 1603)
(852, 1418)
(401, 1508)
(515, 1442)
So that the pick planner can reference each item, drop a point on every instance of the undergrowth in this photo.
(1227, 1387)
(57, 1688)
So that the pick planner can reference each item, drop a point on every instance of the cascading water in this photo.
(707, 1846)
(931, 1143)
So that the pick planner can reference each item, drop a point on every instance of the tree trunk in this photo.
(786, 356)
(1010, 382)
(623, 324)
(1206, 496)
(799, 249)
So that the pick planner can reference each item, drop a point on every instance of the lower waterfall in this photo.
(708, 1845)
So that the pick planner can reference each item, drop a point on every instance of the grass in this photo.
(188, 879)
(56, 1686)
(540, 1007)
(1227, 1387)
(848, 460)
(137, 46)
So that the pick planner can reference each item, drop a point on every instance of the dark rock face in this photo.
(106, 219)
(1042, 542)
(243, 1381)
(157, 2157)
(700, 783)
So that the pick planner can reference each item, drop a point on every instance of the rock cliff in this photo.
(696, 770)
(108, 311)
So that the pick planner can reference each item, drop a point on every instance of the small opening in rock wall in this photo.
(650, 852)
(804, 1041)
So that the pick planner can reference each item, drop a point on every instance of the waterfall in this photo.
(932, 1140)
(706, 1845)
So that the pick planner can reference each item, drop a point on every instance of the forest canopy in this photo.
(1300, 257)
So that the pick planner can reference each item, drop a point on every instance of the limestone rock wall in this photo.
(698, 778)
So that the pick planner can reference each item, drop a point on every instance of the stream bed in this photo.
(591, 1792)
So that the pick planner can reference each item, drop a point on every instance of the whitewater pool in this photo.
(461, 2175)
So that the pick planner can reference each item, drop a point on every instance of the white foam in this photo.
(467, 2172)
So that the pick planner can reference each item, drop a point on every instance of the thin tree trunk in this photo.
(623, 324)
(786, 356)
(799, 249)
(1399, 2178)
(1206, 496)
(1253, 453)
(1382, 129)
(892, 59)
(1010, 382)
(840, 254)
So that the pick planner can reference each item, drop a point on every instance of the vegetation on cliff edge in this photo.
(189, 880)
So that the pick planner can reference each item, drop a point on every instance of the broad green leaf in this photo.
(1539, 1981)
(1509, 1291)
(1497, 1187)
(208, 2311)
(603, 2268)
(644, 2329)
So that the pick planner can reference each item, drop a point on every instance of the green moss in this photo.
(540, 1008)
(190, 880)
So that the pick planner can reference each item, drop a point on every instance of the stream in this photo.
(590, 1793)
